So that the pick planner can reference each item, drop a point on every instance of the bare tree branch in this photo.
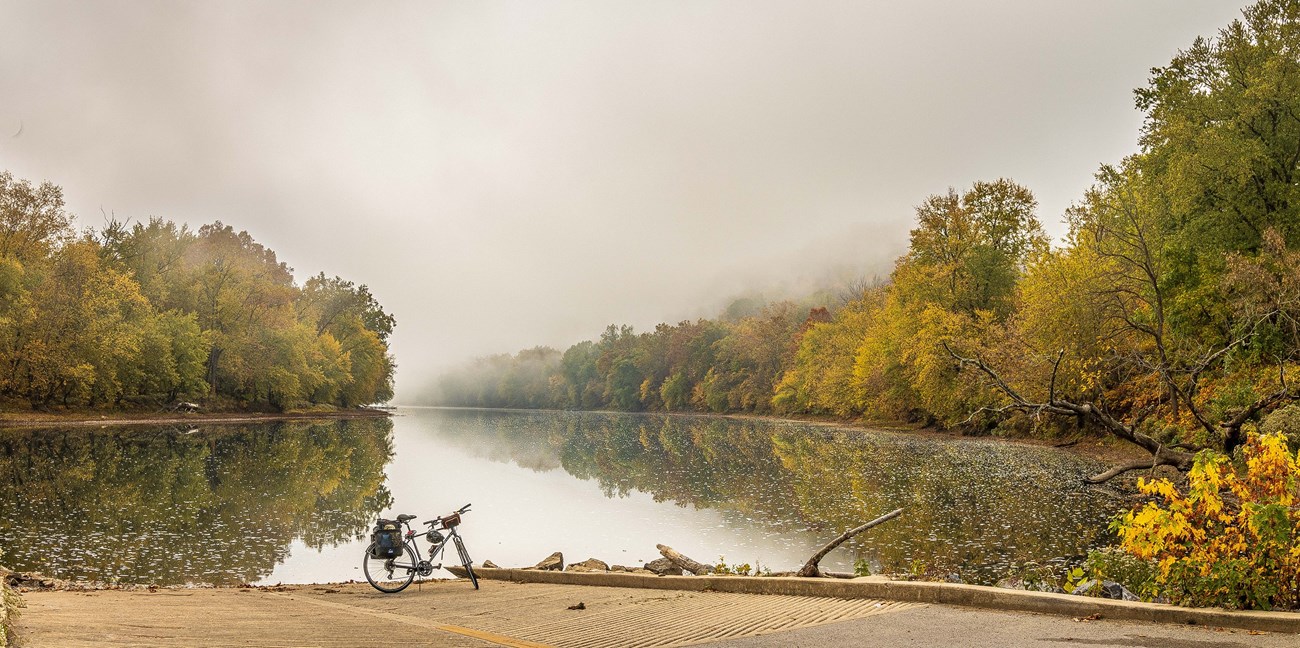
(1056, 366)
(1161, 453)
(1108, 475)
(810, 567)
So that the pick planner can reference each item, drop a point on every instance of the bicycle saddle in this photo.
(403, 518)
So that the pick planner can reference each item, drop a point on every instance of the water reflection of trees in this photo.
(973, 507)
(220, 504)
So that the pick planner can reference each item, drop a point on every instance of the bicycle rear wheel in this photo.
(466, 562)
(390, 575)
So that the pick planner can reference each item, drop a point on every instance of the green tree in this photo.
(1223, 128)
(969, 249)
(581, 376)
(153, 254)
(617, 365)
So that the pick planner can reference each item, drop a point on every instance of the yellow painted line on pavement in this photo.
(491, 637)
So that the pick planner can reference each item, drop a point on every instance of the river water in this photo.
(293, 502)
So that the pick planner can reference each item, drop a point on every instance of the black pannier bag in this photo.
(386, 539)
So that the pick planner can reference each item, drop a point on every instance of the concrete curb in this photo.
(978, 596)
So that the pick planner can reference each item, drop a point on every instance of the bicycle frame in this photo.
(410, 538)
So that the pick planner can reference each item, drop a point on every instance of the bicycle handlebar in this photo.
(439, 519)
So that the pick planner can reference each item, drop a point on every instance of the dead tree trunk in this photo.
(697, 568)
(810, 567)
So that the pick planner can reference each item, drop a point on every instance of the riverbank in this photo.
(1105, 449)
(1102, 448)
(94, 418)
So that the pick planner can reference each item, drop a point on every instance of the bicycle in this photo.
(392, 575)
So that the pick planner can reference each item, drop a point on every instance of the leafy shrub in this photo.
(861, 567)
(9, 604)
(1111, 564)
(1233, 539)
(1285, 421)
(723, 569)
(1039, 577)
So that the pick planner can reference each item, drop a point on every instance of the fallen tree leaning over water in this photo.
(1225, 435)
(810, 567)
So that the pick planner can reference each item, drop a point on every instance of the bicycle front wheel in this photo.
(466, 562)
(390, 575)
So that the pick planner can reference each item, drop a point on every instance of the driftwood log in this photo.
(810, 567)
(697, 568)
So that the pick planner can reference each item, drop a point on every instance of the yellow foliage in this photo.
(1233, 538)
(1056, 311)
(820, 378)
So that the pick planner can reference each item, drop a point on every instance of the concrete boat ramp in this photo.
(507, 612)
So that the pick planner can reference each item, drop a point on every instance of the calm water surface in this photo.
(292, 502)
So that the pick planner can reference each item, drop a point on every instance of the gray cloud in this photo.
(506, 174)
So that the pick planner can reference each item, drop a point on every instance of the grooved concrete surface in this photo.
(685, 618)
(439, 613)
(451, 613)
(942, 626)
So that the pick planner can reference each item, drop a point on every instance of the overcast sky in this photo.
(510, 174)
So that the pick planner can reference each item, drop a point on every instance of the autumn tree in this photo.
(351, 330)
(33, 221)
(820, 378)
(956, 282)
(750, 360)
